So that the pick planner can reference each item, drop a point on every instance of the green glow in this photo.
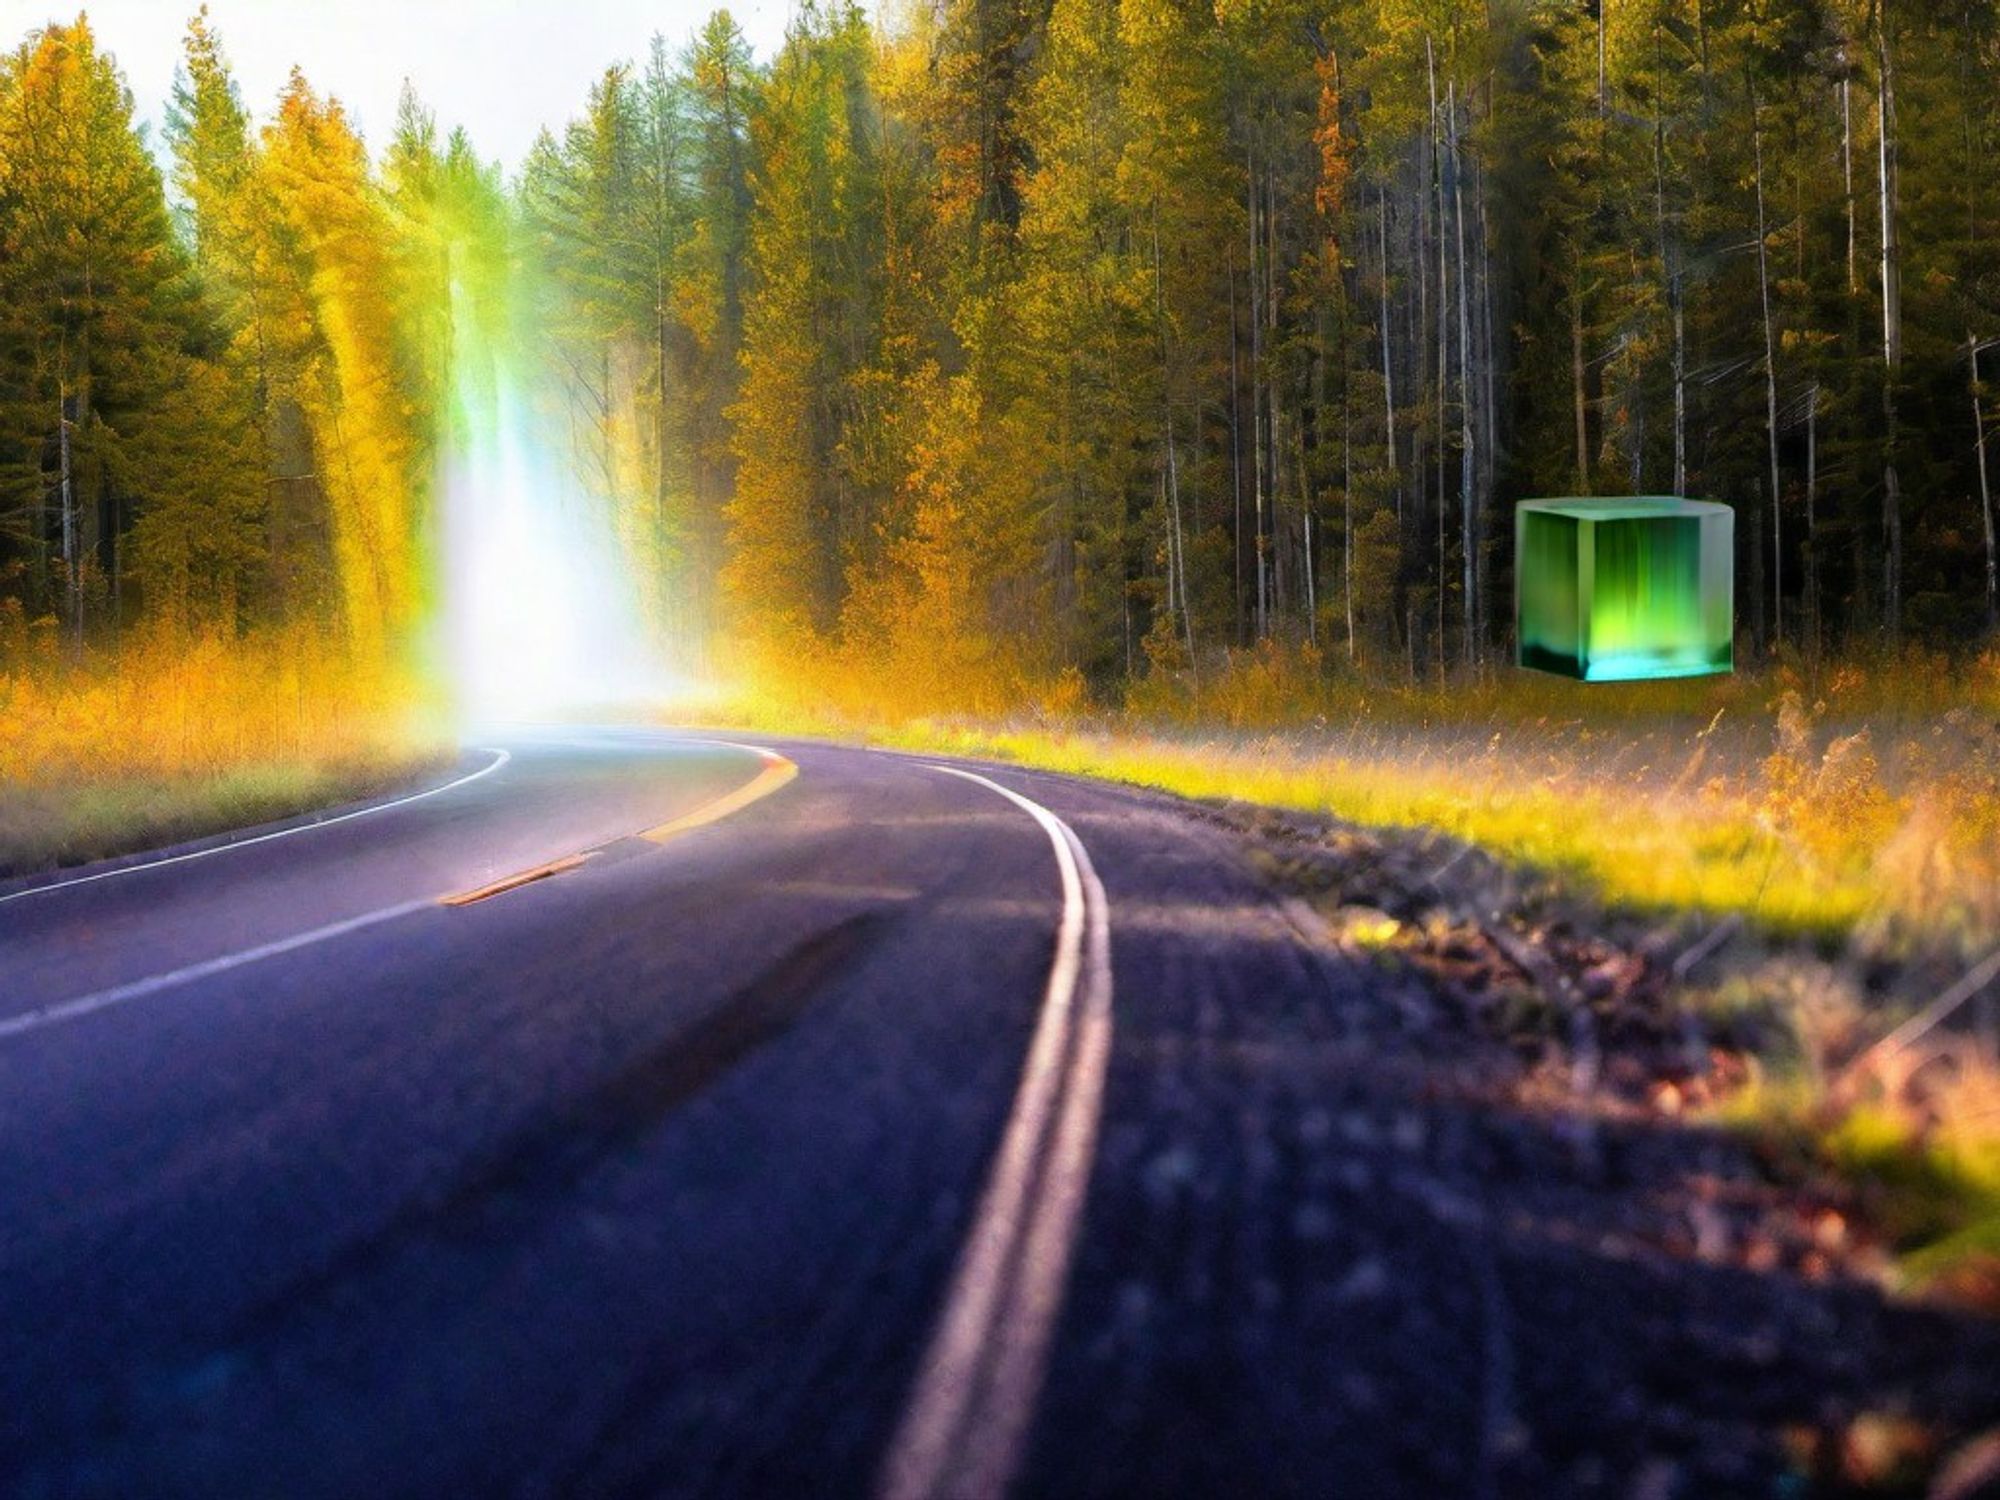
(1612, 590)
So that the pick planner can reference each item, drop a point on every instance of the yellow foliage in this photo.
(343, 323)
(177, 714)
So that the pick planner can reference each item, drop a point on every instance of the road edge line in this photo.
(500, 758)
(138, 989)
(968, 1413)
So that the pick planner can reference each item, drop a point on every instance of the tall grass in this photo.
(179, 736)
(1869, 813)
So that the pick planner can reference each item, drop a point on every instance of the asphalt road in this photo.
(880, 1128)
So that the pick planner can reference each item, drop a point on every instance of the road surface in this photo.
(630, 1113)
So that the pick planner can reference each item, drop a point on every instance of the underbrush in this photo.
(182, 736)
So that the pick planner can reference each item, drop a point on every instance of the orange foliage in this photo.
(175, 706)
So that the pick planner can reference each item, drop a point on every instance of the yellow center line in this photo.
(776, 772)
(518, 878)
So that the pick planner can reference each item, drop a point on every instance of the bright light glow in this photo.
(543, 620)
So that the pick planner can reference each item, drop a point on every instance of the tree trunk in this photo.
(1758, 621)
(1274, 397)
(1812, 523)
(1670, 268)
(1847, 177)
(1257, 405)
(1892, 337)
(1680, 385)
(1576, 386)
(1770, 377)
(1489, 453)
(1312, 601)
(1347, 502)
(1444, 339)
(1467, 455)
(1177, 558)
(1235, 464)
(1985, 493)
(1388, 373)
(72, 565)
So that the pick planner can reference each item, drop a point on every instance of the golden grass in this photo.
(1709, 853)
(181, 737)
(1847, 802)
(1797, 827)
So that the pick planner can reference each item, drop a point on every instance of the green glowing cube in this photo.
(1611, 590)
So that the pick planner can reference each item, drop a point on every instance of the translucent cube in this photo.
(1617, 589)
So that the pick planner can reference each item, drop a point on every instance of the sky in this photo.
(500, 68)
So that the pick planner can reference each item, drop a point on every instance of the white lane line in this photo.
(138, 989)
(500, 758)
(968, 1415)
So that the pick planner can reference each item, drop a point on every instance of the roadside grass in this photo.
(49, 828)
(1928, 1183)
(186, 737)
(1704, 855)
(1739, 800)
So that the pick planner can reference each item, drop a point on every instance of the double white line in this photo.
(968, 1416)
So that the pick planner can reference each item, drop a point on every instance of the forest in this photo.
(994, 343)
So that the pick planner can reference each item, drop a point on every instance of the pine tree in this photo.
(90, 277)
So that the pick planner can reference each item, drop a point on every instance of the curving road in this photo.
(633, 1113)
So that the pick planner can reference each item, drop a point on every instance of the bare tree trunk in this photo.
(1235, 464)
(1420, 349)
(1489, 453)
(1670, 268)
(1444, 338)
(1576, 386)
(1812, 523)
(1680, 387)
(1892, 336)
(1178, 548)
(1312, 600)
(1758, 619)
(1770, 377)
(72, 563)
(1847, 175)
(1985, 492)
(1388, 373)
(1467, 455)
(1257, 404)
(1347, 501)
(1274, 397)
